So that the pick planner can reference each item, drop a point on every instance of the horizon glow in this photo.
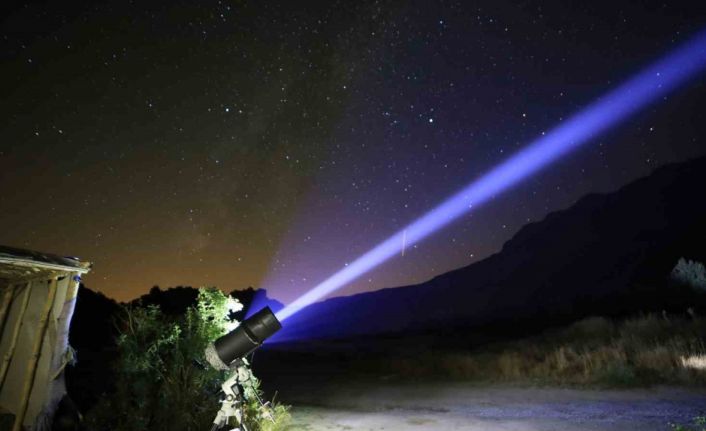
(653, 82)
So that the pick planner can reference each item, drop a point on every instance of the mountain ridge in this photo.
(608, 247)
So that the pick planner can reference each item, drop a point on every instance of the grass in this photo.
(639, 351)
(276, 417)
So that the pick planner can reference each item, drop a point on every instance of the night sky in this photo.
(267, 144)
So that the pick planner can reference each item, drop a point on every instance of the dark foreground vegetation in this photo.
(596, 352)
(643, 350)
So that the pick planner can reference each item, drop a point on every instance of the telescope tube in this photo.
(248, 336)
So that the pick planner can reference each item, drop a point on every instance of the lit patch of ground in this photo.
(461, 407)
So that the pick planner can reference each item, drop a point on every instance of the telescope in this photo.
(243, 340)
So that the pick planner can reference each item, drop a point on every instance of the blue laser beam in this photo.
(646, 87)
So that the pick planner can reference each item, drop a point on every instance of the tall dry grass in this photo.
(644, 350)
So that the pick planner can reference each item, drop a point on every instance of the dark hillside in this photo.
(607, 254)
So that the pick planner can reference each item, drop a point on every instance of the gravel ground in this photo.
(422, 407)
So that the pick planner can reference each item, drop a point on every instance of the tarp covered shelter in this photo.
(37, 297)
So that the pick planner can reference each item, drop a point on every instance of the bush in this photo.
(162, 384)
(690, 273)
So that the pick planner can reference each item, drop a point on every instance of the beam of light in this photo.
(646, 87)
(404, 241)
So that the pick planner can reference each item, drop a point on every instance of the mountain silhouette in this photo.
(607, 254)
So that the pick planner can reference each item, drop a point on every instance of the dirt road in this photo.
(426, 407)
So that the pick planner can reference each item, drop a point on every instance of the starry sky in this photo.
(266, 144)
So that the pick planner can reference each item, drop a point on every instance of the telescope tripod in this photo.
(231, 405)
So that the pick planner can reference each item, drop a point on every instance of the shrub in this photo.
(161, 383)
(690, 273)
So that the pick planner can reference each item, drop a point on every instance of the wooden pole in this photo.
(5, 307)
(7, 360)
(36, 352)
(56, 386)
